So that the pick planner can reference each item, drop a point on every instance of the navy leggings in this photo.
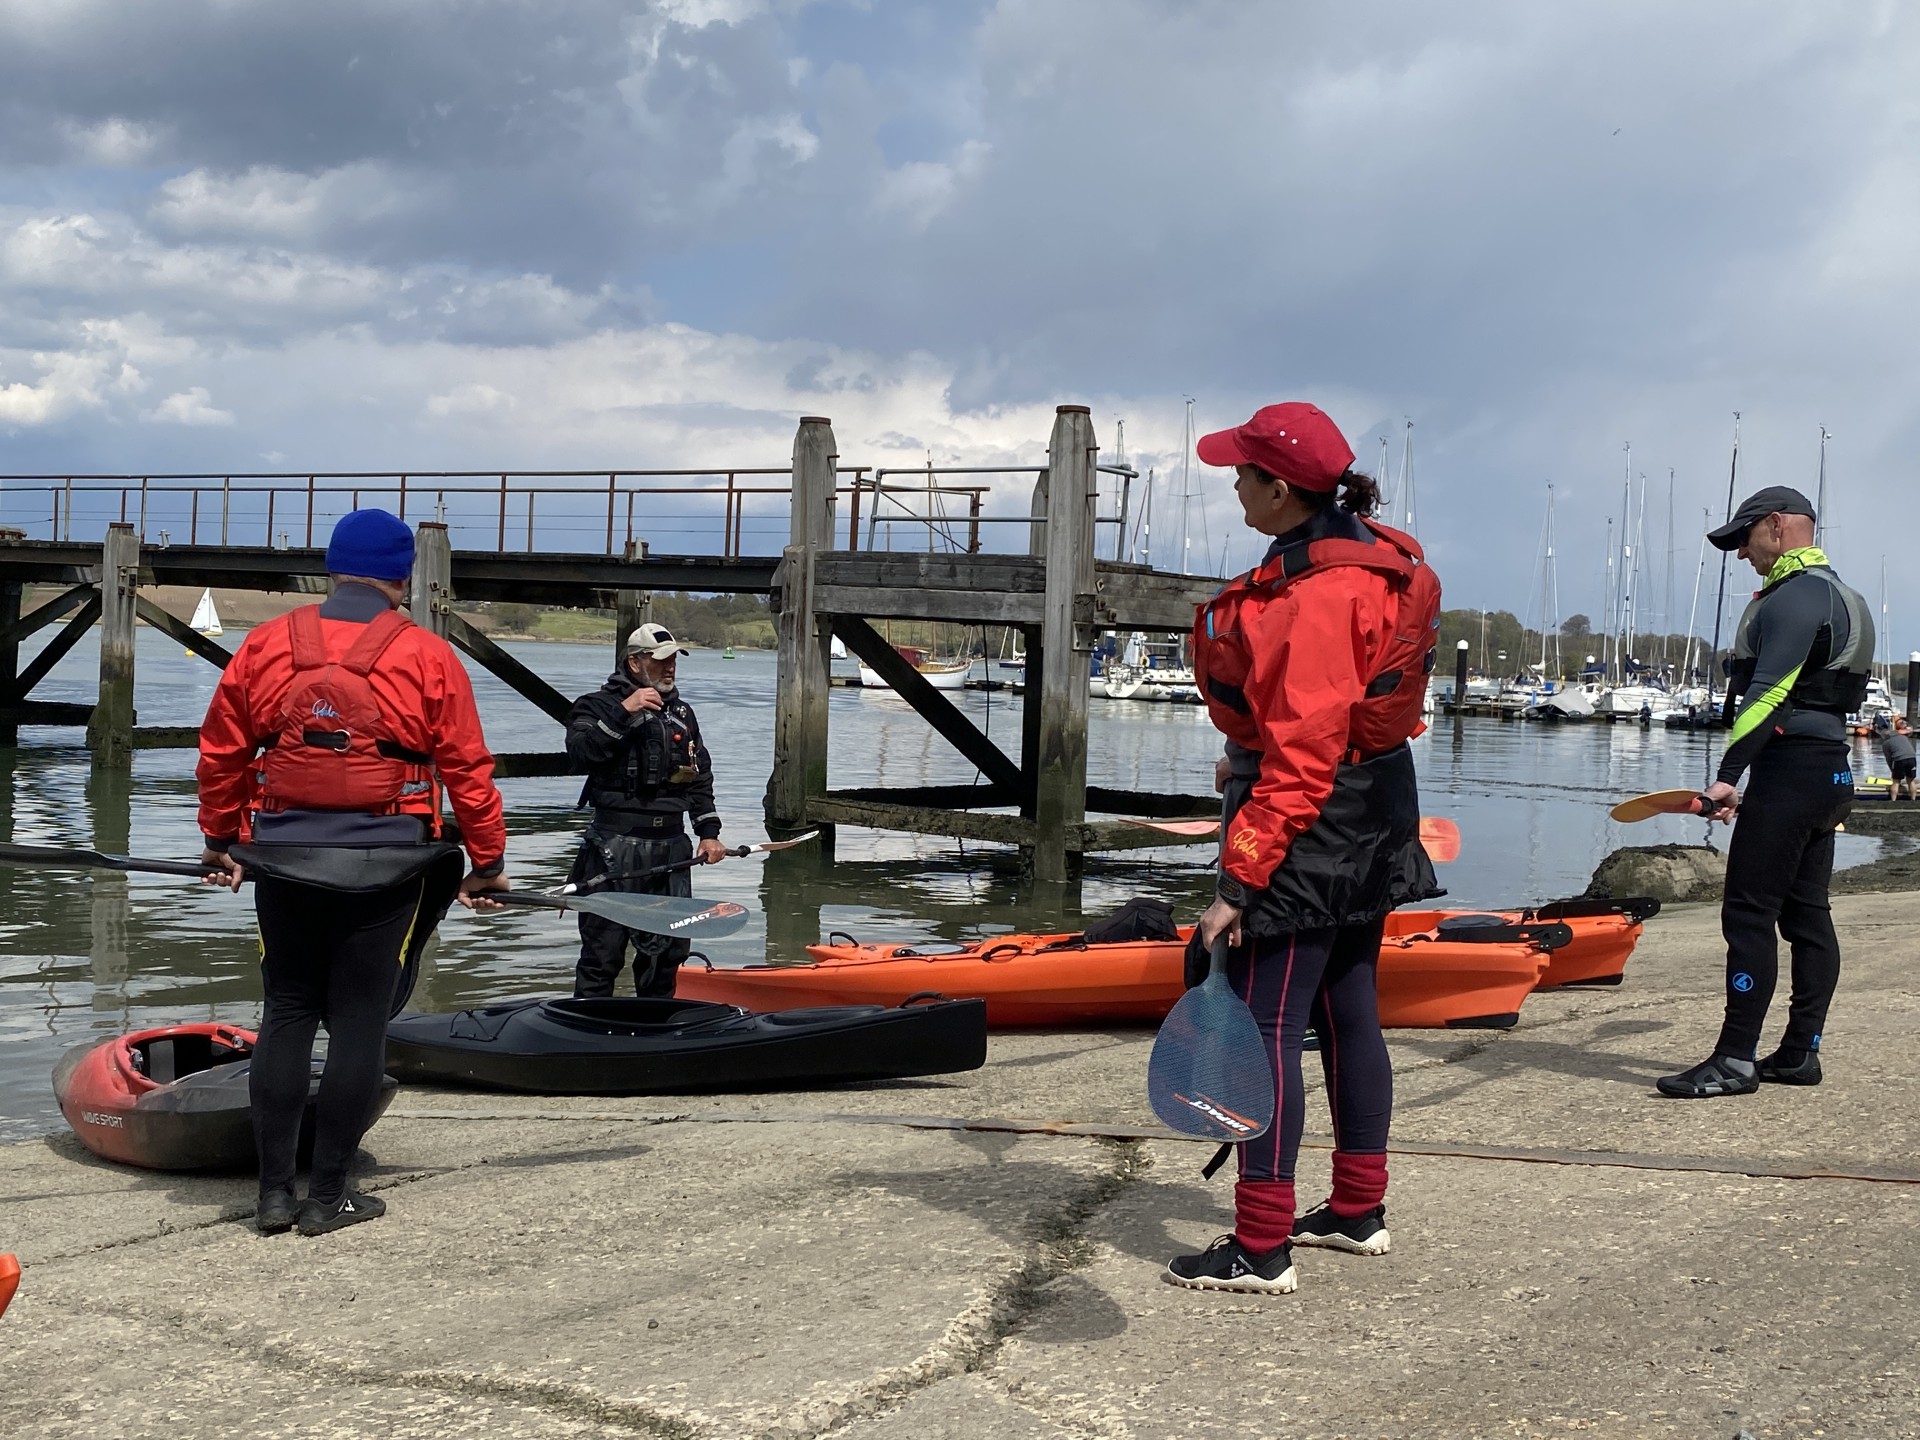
(1322, 978)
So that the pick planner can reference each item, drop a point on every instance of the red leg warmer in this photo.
(1263, 1213)
(1359, 1183)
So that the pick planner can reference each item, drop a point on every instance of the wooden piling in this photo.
(432, 577)
(1060, 762)
(110, 731)
(800, 705)
(11, 593)
(629, 608)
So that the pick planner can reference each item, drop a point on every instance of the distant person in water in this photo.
(1897, 745)
(648, 773)
(329, 741)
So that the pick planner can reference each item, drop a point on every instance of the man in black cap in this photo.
(1801, 659)
(638, 743)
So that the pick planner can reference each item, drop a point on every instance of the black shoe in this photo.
(1712, 1077)
(1356, 1234)
(274, 1213)
(1775, 1071)
(1228, 1265)
(350, 1209)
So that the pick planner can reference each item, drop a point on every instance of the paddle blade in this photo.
(1440, 839)
(656, 914)
(1208, 1074)
(1659, 802)
(1176, 827)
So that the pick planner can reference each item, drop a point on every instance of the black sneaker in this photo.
(1775, 1071)
(274, 1212)
(1709, 1079)
(1356, 1234)
(350, 1209)
(1228, 1265)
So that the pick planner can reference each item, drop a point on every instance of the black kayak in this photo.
(659, 1047)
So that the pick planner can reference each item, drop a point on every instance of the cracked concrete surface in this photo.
(823, 1264)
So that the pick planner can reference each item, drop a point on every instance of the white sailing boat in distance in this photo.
(206, 618)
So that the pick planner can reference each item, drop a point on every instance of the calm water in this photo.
(83, 955)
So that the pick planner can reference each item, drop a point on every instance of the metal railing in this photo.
(745, 509)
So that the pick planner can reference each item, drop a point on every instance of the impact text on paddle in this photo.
(1663, 802)
(1440, 838)
(1208, 1073)
(738, 852)
(656, 914)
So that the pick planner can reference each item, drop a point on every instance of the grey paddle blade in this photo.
(656, 914)
(1208, 1074)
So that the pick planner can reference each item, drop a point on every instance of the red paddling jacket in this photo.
(426, 711)
(1322, 812)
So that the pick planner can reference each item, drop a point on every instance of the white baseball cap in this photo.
(656, 641)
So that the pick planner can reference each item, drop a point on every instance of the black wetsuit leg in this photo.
(1279, 979)
(1779, 863)
(334, 959)
(603, 944)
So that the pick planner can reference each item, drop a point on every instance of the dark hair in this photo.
(1360, 494)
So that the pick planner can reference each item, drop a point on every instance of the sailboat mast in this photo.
(1720, 595)
(1666, 600)
(1186, 487)
(1409, 523)
(1693, 610)
(1549, 595)
(1820, 495)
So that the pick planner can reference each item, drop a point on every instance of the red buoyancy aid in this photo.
(1389, 713)
(334, 749)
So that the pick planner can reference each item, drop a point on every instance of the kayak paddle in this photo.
(1439, 837)
(58, 859)
(656, 914)
(738, 852)
(1208, 1073)
(1661, 802)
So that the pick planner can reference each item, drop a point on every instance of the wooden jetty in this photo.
(1055, 593)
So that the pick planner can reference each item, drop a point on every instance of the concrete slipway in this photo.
(1573, 1255)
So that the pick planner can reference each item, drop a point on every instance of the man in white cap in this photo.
(648, 774)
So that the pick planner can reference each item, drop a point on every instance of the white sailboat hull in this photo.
(939, 676)
(206, 618)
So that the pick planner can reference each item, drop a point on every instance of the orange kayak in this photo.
(1604, 934)
(9, 1280)
(1426, 979)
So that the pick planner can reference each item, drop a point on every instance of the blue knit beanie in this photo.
(371, 543)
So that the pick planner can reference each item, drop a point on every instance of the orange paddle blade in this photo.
(9, 1280)
(1440, 839)
(1177, 827)
(1659, 802)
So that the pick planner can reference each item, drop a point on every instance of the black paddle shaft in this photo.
(738, 852)
(48, 857)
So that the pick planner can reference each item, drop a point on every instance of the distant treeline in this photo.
(1499, 644)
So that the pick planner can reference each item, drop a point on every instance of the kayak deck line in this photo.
(1746, 1167)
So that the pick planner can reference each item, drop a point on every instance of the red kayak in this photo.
(172, 1098)
(1604, 934)
(9, 1280)
(1427, 978)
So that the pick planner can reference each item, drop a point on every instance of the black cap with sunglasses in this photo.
(1774, 500)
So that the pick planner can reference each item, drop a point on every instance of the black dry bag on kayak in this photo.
(1141, 918)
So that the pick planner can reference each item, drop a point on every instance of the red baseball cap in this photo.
(1295, 441)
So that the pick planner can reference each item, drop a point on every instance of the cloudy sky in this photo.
(363, 235)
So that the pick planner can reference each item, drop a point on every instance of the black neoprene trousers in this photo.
(1779, 863)
(326, 958)
(1323, 978)
(603, 943)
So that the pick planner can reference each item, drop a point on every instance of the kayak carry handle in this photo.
(919, 995)
(993, 952)
(840, 937)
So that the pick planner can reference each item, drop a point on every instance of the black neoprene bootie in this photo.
(1713, 1077)
(1783, 1068)
(319, 1218)
(274, 1213)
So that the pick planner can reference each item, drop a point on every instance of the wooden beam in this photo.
(11, 593)
(939, 797)
(166, 737)
(110, 730)
(432, 601)
(44, 712)
(938, 711)
(521, 765)
(966, 607)
(170, 624)
(1149, 805)
(57, 648)
(500, 664)
(21, 626)
(800, 713)
(1015, 830)
(1060, 773)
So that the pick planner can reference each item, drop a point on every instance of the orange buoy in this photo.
(9, 1280)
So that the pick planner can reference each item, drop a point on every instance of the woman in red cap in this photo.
(1313, 666)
